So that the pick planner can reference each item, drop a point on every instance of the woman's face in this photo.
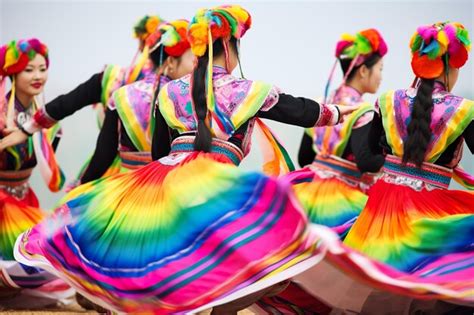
(31, 80)
(374, 78)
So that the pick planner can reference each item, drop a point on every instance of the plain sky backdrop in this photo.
(291, 45)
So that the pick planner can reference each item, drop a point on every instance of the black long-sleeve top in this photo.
(366, 159)
(87, 93)
(107, 146)
(378, 141)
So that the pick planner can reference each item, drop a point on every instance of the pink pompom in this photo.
(383, 49)
(454, 46)
(35, 44)
(427, 32)
(3, 51)
(451, 33)
(340, 46)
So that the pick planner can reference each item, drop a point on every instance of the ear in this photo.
(363, 72)
(167, 66)
(172, 63)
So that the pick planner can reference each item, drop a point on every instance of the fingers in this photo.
(345, 110)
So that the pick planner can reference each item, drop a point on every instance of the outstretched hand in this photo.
(345, 110)
(12, 137)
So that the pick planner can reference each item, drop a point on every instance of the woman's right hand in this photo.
(11, 138)
(345, 110)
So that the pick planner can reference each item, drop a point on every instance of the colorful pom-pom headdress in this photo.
(146, 26)
(170, 37)
(437, 47)
(209, 25)
(14, 58)
(143, 29)
(357, 48)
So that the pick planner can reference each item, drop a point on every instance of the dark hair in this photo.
(369, 62)
(198, 93)
(419, 132)
(158, 56)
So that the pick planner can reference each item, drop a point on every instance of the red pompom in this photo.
(19, 66)
(221, 31)
(458, 59)
(373, 37)
(178, 49)
(425, 67)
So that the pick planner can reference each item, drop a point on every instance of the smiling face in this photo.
(30, 82)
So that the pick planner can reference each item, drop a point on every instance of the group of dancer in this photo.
(161, 219)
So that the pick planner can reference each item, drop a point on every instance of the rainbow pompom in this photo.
(146, 26)
(172, 36)
(363, 43)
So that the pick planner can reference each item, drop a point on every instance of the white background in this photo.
(291, 45)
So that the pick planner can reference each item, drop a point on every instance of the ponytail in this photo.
(419, 131)
(203, 137)
(198, 93)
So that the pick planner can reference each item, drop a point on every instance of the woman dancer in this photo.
(25, 63)
(332, 189)
(414, 236)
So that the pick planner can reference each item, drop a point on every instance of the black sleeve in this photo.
(105, 150)
(85, 94)
(291, 110)
(469, 136)
(376, 135)
(161, 142)
(366, 160)
(306, 153)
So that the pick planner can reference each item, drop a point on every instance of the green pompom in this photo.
(31, 54)
(463, 36)
(416, 43)
(363, 45)
(232, 22)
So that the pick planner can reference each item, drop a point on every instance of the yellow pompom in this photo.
(152, 24)
(11, 57)
(238, 12)
(180, 24)
(412, 39)
(198, 38)
(443, 41)
(348, 37)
